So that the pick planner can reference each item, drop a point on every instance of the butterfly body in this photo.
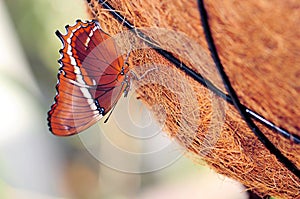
(91, 79)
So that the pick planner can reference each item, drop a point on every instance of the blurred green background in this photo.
(36, 164)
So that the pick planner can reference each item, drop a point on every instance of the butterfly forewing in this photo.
(90, 80)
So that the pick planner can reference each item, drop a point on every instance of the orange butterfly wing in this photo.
(90, 80)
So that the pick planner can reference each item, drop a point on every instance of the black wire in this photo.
(207, 84)
(285, 161)
(196, 76)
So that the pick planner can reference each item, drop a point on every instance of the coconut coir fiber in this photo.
(258, 43)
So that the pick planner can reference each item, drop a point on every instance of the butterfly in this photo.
(91, 78)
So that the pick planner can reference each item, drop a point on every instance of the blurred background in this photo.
(36, 164)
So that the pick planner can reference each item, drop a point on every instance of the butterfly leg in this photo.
(127, 84)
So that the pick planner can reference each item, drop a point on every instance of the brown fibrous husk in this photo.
(258, 43)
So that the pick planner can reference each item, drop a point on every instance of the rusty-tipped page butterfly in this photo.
(91, 79)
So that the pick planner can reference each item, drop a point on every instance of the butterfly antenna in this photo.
(113, 108)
